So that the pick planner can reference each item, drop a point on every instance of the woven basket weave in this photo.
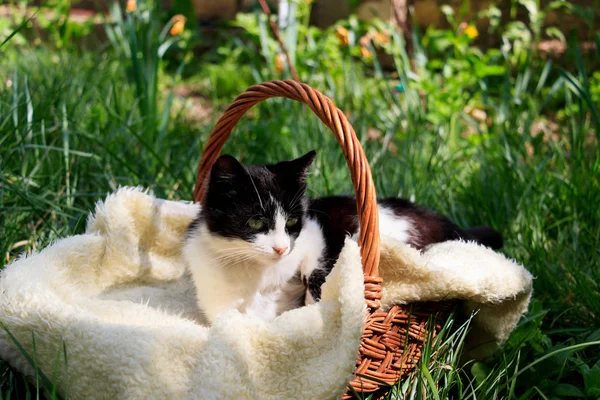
(391, 342)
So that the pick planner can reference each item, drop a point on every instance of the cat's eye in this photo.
(256, 224)
(291, 222)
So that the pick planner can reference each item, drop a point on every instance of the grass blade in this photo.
(47, 384)
(18, 29)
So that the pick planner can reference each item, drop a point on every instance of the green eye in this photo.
(291, 222)
(256, 224)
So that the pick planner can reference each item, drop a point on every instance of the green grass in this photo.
(71, 132)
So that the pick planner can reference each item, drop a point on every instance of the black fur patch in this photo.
(238, 193)
(430, 226)
(338, 218)
(486, 236)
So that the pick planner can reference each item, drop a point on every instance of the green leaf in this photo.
(591, 380)
(593, 336)
(490, 70)
(480, 372)
(554, 32)
(560, 4)
(432, 386)
(582, 92)
(562, 350)
(567, 390)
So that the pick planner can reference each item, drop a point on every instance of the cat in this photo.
(249, 238)
(261, 246)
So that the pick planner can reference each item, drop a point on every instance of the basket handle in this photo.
(334, 118)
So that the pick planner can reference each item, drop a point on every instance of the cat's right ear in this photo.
(296, 169)
(300, 165)
(226, 168)
(304, 162)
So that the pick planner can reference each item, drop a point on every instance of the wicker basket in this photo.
(391, 342)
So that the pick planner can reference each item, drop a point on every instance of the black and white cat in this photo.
(257, 233)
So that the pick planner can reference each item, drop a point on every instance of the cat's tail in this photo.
(486, 236)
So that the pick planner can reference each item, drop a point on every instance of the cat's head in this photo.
(257, 210)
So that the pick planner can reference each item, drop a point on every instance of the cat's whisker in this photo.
(316, 211)
(234, 249)
(257, 194)
(237, 264)
(298, 196)
(223, 257)
(228, 255)
(232, 257)
(243, 252)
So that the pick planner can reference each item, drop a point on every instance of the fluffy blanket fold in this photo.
(120, 299)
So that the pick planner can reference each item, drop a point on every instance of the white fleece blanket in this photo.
(120, 300)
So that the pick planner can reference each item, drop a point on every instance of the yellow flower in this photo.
(365, 40)
(279, 63)
(471, 31)
(178, 25)
(342, 35)
(381, 38)
(131, 5)
(365, 52)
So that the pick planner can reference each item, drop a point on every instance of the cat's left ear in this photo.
(297, 168)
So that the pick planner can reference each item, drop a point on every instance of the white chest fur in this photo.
(227, 275)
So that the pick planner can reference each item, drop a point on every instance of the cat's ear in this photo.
(302, 163)
(226, 168)
(297, 168)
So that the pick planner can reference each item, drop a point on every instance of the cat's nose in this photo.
(280, 250)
